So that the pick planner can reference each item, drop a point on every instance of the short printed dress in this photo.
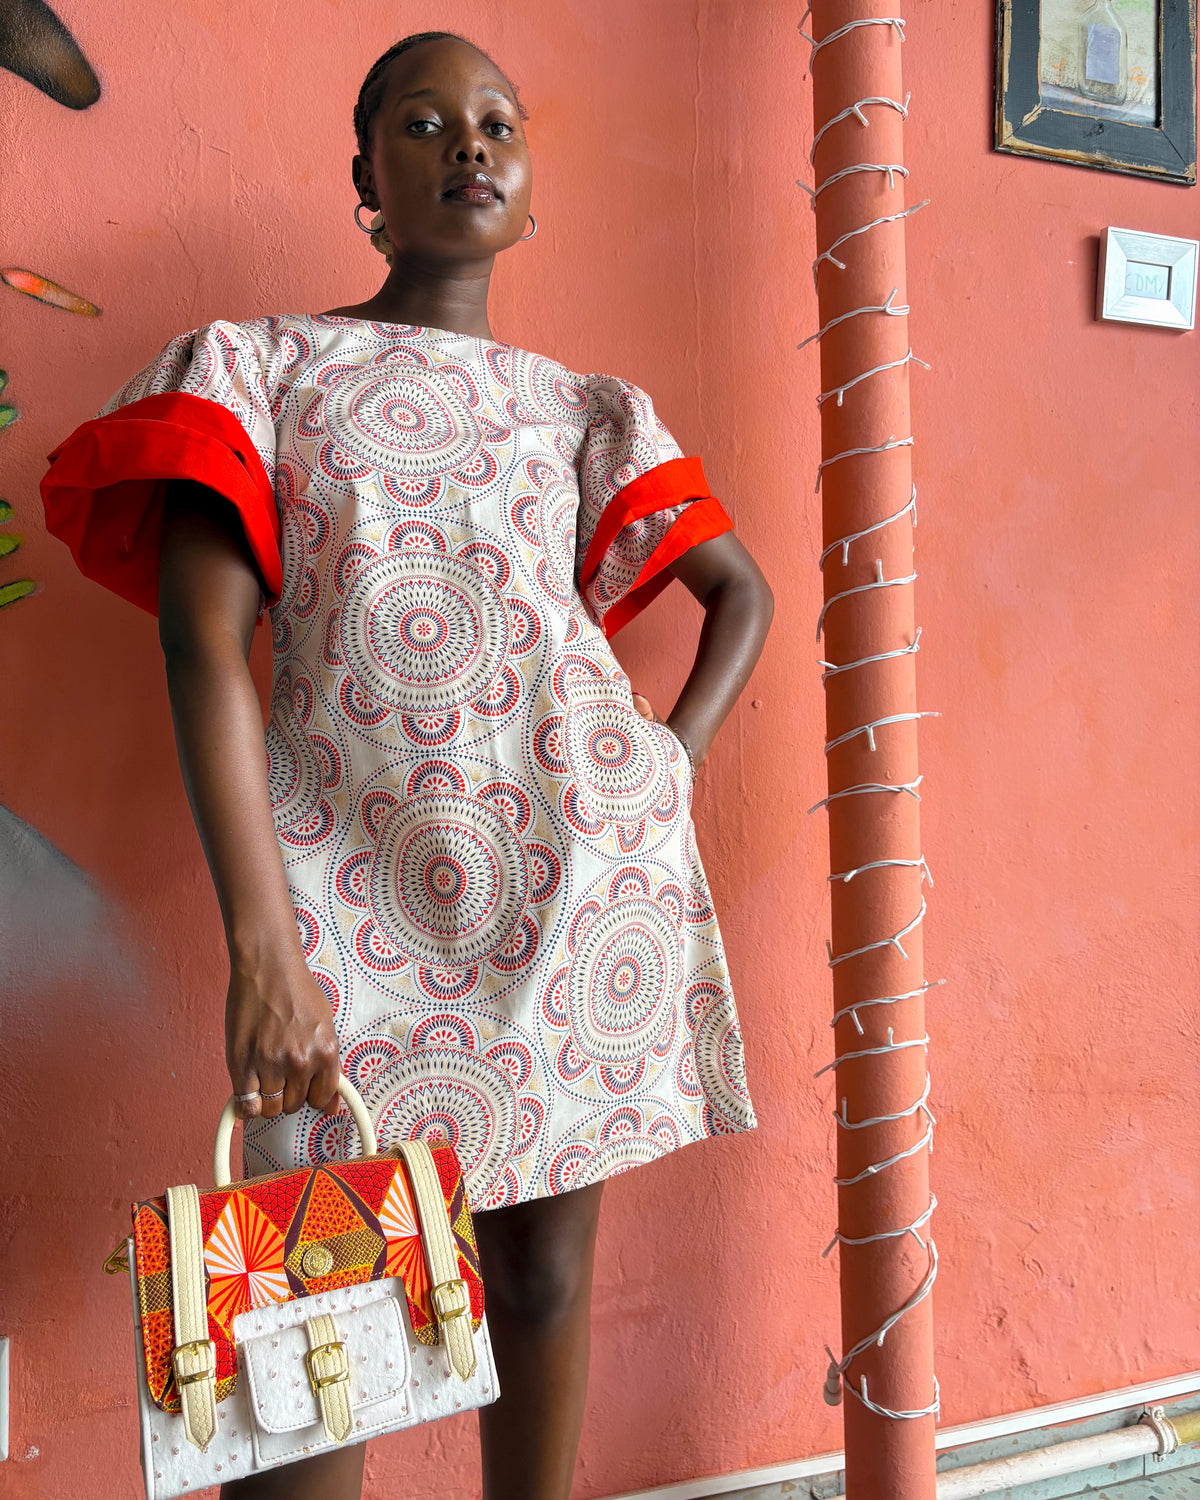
(490, 853)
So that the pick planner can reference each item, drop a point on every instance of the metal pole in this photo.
(888, 1388)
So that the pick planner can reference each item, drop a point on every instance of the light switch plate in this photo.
(3, 1398)
(1147, 278)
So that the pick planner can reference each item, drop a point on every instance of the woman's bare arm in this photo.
(278, 1026)
(738, 605)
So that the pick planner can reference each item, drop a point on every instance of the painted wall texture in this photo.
(1058, 554)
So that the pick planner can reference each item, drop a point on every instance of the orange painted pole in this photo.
(888, 1389)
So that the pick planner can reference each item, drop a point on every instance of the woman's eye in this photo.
(500, 129)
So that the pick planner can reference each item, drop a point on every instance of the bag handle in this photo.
(349, 1093)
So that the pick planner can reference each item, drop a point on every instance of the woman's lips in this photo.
(472, 193)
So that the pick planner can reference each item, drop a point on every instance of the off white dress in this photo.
(490, 852)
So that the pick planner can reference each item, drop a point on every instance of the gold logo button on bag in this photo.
(317, 1260)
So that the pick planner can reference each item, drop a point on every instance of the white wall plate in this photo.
(1147, 278)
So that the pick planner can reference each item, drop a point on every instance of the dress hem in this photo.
(270, 1166)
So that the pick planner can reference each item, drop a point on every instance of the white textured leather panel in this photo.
(371, 1322)
(436, 1391)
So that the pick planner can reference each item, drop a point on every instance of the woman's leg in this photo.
(536, 1260)
(329, 1476)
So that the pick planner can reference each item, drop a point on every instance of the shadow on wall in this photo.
(54, 924)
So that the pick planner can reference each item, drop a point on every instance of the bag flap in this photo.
(270, 1240)
(369, 1324)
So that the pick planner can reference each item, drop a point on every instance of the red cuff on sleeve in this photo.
(698, 523)
(103, 492)
(672, 483)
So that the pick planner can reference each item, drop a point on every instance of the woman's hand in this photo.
(738, 605)
(279, 1039)
(645, 708)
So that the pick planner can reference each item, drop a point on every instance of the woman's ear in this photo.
(364, 180)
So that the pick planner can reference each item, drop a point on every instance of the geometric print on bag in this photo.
(291, 1235)
(244, 1259)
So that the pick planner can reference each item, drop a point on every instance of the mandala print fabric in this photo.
(490, 852)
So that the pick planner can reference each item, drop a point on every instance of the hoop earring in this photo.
(533, 231)
(366, 228)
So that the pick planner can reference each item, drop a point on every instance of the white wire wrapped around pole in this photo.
(888, 1258)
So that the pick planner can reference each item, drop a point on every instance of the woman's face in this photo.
(446, 115)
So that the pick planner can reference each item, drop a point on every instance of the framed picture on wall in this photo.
(1099, 83)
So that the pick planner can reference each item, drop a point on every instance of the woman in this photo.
(465, 873)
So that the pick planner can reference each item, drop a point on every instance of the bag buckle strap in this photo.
(204, 1350)
(451, 1299)
(339, 1364)
(328, 1367)
(194, 1357)
(450, 1295)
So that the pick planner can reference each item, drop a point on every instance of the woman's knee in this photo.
(536, 1258)
(541, 1291)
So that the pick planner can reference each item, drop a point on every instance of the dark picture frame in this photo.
(1028, 126)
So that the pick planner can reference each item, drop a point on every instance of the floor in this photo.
(1172, 1484)
(1181, 1484)
(1176, 1476)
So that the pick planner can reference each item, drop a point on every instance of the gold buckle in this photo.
(446, 1289)
(194, 1348)
(319, 1382)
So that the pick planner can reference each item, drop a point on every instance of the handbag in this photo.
(285, 1315)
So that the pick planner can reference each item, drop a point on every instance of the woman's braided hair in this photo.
(370, 97)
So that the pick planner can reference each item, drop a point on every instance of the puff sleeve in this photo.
(199, 410)
(642, 504)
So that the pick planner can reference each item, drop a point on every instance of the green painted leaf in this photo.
(11, 592)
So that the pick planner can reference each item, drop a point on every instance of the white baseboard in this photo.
(945, 1437)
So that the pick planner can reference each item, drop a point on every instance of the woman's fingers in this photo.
(314, 1081)
(245, 1082)
(274, 1091)
(643, 706)
(295, 1091)
(323, 1090)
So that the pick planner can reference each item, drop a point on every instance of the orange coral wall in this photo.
(1056, 464)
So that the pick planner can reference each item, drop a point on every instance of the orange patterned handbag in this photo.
(284, 1315)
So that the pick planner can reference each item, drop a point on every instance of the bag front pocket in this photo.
(368, 1363)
